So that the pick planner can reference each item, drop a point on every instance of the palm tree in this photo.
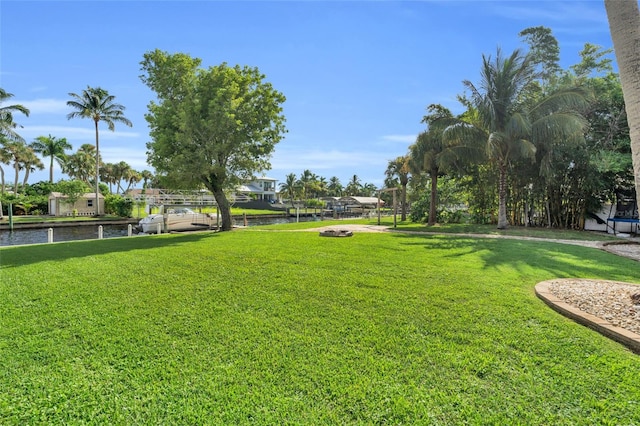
(79, 165)
(147, 176)
(131, 177)
(5, 158)
(307, 179)
(30, 163)
(399, 167)
(6, 117)
(107, 171)
(368, 190)
(98, 105)
(624, 25)
(354, 186)
(335, 187)
(290, 187)
(506, 126)
(23, 158)
(121, 171)
(432, 154)
(50, 146)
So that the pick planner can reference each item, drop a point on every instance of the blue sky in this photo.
(357, 75)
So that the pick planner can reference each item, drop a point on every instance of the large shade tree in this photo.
(624, 24)
(97, 105)
(52, 147)
(215, 127)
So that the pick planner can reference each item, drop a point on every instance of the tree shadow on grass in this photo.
(557, 259)
(14, 256)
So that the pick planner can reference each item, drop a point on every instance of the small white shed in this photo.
(85, 206)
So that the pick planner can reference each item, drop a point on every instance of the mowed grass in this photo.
(256, 327)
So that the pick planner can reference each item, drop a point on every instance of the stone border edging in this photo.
(620, 335)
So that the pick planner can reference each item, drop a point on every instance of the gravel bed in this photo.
(608, 300)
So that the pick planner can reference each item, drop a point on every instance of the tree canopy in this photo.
(215, 126)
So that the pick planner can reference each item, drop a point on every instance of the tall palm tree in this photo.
(624, 24)
(50, 146)
(98, 105)
(7, 124)
(399, 167)
(506, 127)
(432, 154)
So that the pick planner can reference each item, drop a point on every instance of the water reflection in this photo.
(72, 233)
(90, 232)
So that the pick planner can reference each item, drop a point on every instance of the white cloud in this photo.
(44, 106)
(137, 159)
(400, 138)
(296, 161)
(74, 132)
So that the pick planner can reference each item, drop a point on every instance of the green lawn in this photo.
(254, 327)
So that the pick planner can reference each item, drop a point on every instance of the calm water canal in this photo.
(90, 232)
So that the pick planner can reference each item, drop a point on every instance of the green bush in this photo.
(24, 204)
(314, 203)
(118, 205)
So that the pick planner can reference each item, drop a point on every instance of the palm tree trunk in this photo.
(97, 172)
(404, 202)
(502, 196)
(434, 197)
(51, 170)
(15, 186)
(624, 24)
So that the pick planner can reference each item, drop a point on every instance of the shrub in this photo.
(118, 205)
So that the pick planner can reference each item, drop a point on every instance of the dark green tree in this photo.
(509, 126)
(215, 127)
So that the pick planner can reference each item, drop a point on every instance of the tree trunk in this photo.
(224, 207)
(51, 170)
(434, 197)
(502, 195)
(15, 185)
(97, 172)
(624, 24)
(404, 202)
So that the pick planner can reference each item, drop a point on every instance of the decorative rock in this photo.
(612, 301)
